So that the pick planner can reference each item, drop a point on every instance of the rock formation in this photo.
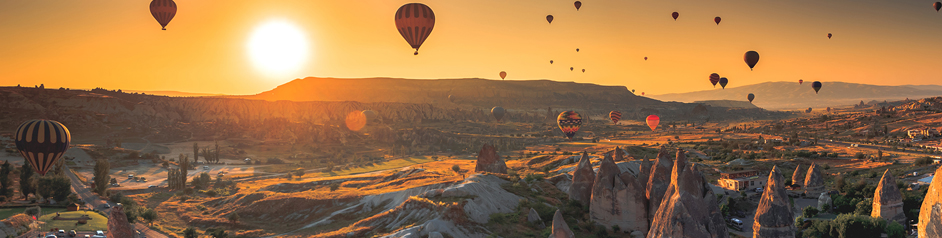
(616, 201)
(644, 175)
(930, 214)
(689, 208)
(534, 217)
(560, 228)
(774, 217)
(562, 181)
(489, 161)
(824, 202)
(582, 180)
(797, 177)
(658, 180)
(888, 201)
(118, 226)
(814, 183)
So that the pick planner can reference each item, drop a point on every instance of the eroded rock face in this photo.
(616, 201)
(814, 182)
(888, 201)
(798, 177)
(824, 201)
(689, 208)
(582, 180)
(930, 214)
(534, 217)
(489, 161)
(658, 181)
(774, 216)
(560, 228)
(118, 225)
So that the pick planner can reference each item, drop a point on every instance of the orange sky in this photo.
(116, 44)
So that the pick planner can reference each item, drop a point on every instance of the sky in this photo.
(117, 44)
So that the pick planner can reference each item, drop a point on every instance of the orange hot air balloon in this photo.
(675, 15)
(652, 121)
(717, 20)
(415, 22)
(163, 11)
(549, 18)
(578, 5)
(503, 74)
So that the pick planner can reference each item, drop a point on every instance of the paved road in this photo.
(93, 201)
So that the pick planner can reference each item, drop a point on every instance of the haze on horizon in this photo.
(206, 48)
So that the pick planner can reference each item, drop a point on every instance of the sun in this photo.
(277, 48)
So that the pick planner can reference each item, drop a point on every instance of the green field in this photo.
(98, 222)
(8, 212)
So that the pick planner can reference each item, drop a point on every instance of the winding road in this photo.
(93, 201)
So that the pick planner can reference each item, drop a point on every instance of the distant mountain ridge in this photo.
(791, 95)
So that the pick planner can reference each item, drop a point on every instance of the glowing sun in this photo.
(277, 48)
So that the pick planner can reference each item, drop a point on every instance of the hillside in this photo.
(791, 95)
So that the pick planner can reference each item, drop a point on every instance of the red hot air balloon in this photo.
(714, 78)
(415, 22)
(503, 74)
(549, 18)
(717, 20)
(652, 121)
(163, 11)
(42, 143)
(675, 15)
(645, 58)
(937, 5)
(642, 93)
(578, 5)
(800, 81)
(615, 116)
(829, 35)
(583, 70)
(751, 58)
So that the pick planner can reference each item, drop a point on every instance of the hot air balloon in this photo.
(829, 109)
(355, 121)
(415, 22)
(751, 97)
(645, 58)
(675, 15)
(714, 78)
(549, 18)
(578, 5)
(571, 68)
(723, 82)
(163, 11)
(42, 143)
(569, 122)
(577, 49)
(583, 70)
(717, 20)
(370, 115)
(498, 112)
(800, 81)
(642, 93)
(829, 35)
(551, 61)
(652, 121)
(937, 5)
(451, 98)
(808, 111)
(632, 91)
(751, 58)
(615, 115)
(503, 74)
(816, 86)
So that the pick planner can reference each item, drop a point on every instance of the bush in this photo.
(809, 212)
(895, 230)
(923, 161)
(334, 187)
(32, 211)
(456, 168)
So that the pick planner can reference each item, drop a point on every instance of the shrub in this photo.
(334, 187)
(809, 212)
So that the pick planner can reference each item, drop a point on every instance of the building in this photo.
(741, 180)
(72, 207)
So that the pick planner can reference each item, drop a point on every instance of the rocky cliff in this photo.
(930, 214)
(617, 199)
(774, 217)
(689, 208)
(888, 201)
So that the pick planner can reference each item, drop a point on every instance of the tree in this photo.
(234, 217)
(190, 233)
(217, 233)
(57, 187)
(334, 187)
(32, 211)
(864, 207)
(809, 212)
(5, 178)
(196, 152)
(26, 181)
(456, 168)
(216, 154)
(839, 183)
(149, 215)
(102, 171)
(859, 155)
(895, 230)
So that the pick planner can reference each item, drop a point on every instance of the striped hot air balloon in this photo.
(42, 143)
(163, 11)
(569, 122)
(714, 78)
(652, 121)
(415, 22)
(615, 115)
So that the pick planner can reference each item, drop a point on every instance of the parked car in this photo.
(143, 179)
(72, 233)
(735, 223)
(205, 167)
(61, 233)
(99, 233)
(152, 186)
(50, 235)
(130, 176)
(759, 190)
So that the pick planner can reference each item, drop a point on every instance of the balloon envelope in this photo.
(451, 98)
(829, 109)
(800, 81)
(829, 35)
(714, 78)
(615, 115)
(415, 22)
(751, 58)
(42, 143)
(549, 18)
(503, 74)
(816, 86)
(937, 5)
(551, 61)
(652, 121)
(569, 122)
(751, 97)
(370, 115)
(163, 11)
(571, 68)
(583, 70)
(723, 82)
(717, 20)
(578, 5)
(498, 112)
(645, 58)
(675, 15)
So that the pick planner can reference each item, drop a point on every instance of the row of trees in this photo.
(210, 156)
